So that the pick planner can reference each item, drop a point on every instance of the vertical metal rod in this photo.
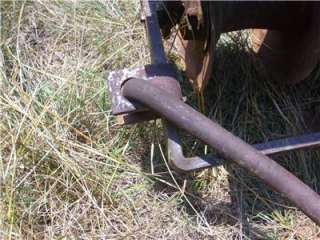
(157, 53)
(158, 56)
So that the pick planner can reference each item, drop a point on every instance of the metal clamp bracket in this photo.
(132, 111)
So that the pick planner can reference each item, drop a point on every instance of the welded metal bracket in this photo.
(131, 111)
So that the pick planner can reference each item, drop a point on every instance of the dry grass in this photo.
(67, 170)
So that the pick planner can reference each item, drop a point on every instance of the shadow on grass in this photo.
(245, 103)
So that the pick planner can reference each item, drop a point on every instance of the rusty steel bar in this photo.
(183, 164)
(153, 31)
(187, 164)
(289, 144)
(225, 143)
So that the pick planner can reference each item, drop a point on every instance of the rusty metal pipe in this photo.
(228, 145)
